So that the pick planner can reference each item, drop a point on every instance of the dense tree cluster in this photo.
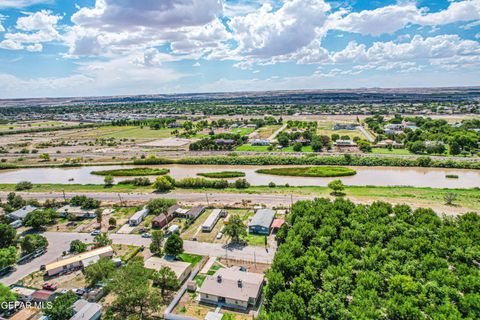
(85, 202)
(338, 260)
(433, 136)
(222, 141)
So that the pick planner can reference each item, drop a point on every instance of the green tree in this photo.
(102, 270)
(108, 180)
(133, 292)
(235, 228)
(157, 242)
(62, 307)
(45, 157)
(164, 183)
(102, 240)
(337, 187)
(99, 216)
(165, 279)
(112, 222)
(364, 146)
(297, 147)
(77, 246)
(32, 242)
(7, 236)
(159, 206)
(8, 256)
(241, 184)
(23, 185)
(39, 219)
(6, 295)
(173, 245)
(317, 144)
(449, 198)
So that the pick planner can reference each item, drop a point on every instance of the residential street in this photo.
(192, 198)
(60, 241)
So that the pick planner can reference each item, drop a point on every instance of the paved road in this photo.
(367, 134)
(186, 198)
(60, 241)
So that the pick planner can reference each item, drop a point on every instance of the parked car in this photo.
(95, 232)
(50, 286)
(79, 292)
(42, 267)
(146, 235)
(219, 236)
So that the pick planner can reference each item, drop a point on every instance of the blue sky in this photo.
(113, 47)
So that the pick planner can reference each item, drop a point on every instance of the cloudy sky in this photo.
(114, 47)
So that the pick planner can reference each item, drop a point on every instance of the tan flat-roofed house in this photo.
(182, 269)
(232, 288)
(78, 261)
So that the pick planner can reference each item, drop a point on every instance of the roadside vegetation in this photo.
(222, 174)
(310, 171)
(338, 260)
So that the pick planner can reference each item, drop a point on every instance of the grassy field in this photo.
(193, 259)
(326, 128)
(310, 171)
(222, 174)
(124, 132)
(243, 131)
(266, 131)
(393, 151)
(131, 172)
(32, 124)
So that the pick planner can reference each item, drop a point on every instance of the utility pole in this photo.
(206, 196)
(64, 197)
(120, 197)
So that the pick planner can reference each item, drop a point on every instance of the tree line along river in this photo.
(372, 176)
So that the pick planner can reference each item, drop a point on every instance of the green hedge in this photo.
(132, 172)
(310, 171)
(222, 174)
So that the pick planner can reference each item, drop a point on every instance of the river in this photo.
(374, 176)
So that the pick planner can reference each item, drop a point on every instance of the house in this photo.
(77, 212)
(85, 310)
(176, 210)
(345, 143)
(232, 288)
(182, 269)
(16, 224)
(387, 143)
(277, 224)
(23, 294)
(345, 126)
(212, 219)
(43, 296)
(260, 142)
(225, 141)
(261, 222)
(193, 213)
(173, 229)
(138, 217)
(21, 213)
(161, 220)
(78, 261)
(25, 314)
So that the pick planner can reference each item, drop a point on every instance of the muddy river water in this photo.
(374, 176)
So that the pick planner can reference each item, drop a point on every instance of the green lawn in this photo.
(255, 240)
(243, 131)
(199, 279)
(193, 259)
(393, 151)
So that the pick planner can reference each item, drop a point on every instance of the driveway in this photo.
(60, 241)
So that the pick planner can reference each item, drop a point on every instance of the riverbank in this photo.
(466, 199)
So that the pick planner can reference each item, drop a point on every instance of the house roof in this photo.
(25, 314)
(139, 214)
(22, 291)
(79, 257)
(160, 218)
(85, 310)
(42, 295)
(195, 211)
(233, 284)
(263, 217)
(212, 218)
(75, 210)
(277, 223)
(155, 263)
(22, 212)
(173, 209)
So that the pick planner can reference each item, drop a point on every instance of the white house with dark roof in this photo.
(21, 213)
(232, 288)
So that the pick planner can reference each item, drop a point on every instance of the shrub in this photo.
(222, 174)
(23, 185)
(310, 171)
